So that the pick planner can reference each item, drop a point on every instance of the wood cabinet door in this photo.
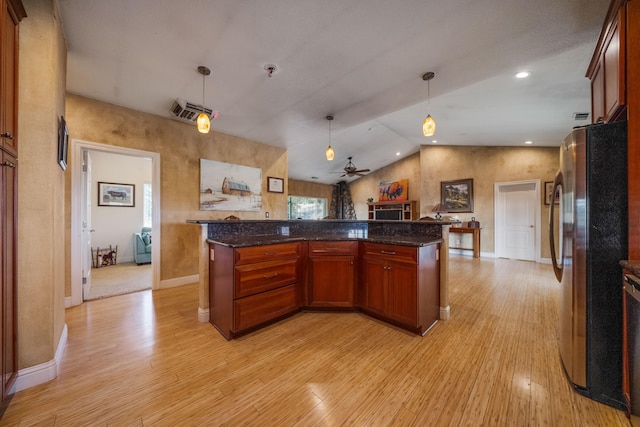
(9, 51)
(8, 194)
(374, 281)
(332, 281)
(403, 293)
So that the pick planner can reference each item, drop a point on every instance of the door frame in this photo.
(77, 198)
(537, 213)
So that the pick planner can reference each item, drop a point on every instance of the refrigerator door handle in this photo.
(557, 267)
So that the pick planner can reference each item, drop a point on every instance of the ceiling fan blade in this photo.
(362, 170)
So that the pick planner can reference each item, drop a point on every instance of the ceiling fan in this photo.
(350, 169)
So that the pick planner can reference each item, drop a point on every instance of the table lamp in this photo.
(438, 209)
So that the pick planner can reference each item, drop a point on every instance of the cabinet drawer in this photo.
(332, 248)
(256, 309)
(391, 252)
(259, 277)
(266, 253)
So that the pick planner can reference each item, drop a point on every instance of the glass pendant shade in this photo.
(203, 123)
(429, 126)
(330, 153)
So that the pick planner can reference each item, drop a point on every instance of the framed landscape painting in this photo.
(457, 196)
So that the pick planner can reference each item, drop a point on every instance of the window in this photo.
(307, 207)
(147, 206)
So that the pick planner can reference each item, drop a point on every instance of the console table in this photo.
(476, 238)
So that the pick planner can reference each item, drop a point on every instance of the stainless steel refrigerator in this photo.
(591, 240)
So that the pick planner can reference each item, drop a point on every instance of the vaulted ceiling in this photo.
(360, 60)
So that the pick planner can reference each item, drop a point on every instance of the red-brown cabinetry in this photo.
(401, 284)
(332, 274)
(252, 286)
(12, 12)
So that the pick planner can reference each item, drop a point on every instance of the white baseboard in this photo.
(44, 372)
(67, 302)
(179, 281)
(203, 315)
(445, 313)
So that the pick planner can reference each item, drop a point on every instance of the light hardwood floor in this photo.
(144, 360)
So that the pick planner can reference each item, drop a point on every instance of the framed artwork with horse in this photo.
(113, 194)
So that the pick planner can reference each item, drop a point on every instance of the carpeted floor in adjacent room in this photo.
(119, 279)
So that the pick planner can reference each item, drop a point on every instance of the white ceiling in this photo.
(360, 60)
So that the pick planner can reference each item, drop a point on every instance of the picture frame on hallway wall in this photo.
(113, 194)
(548, 188)
(457, 196)
(275, 185)
(63, 143)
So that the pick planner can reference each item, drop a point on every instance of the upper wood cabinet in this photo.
(607, 69)
(12, 12)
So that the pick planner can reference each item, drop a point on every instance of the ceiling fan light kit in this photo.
(203, 122)
(428, 125)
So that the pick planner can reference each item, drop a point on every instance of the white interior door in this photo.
(87, 257)
(517, 220)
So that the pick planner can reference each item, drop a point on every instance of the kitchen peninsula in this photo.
(253, 273)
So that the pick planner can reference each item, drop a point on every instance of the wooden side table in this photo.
(476, 239)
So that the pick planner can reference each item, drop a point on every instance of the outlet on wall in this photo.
(266, 214)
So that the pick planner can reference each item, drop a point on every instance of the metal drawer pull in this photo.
(7, 135)
(270, 276)
(8, 163)
(271, 253)
(388, 252)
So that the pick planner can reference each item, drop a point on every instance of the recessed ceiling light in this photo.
(523, 74)
(435, 141)
(528, 142)
(398, 153)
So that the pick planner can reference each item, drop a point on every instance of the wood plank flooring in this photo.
(144, 360)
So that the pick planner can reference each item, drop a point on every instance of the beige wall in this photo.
(180, 147)
(310, 189)
(368, 186)
(486, 165)
(41, 200)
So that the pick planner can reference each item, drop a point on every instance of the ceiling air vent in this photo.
(188, 111)
(580, 116)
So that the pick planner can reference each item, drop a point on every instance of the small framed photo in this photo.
(548, 188)
(63, 143)
(112, 194)
(275, 185)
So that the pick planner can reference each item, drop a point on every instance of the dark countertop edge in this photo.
(273, 240)
(631, 265)
(226, 221)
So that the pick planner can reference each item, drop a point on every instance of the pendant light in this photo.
(429, 125)
(203, 122)
(329, 152)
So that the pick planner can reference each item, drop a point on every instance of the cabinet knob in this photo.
(6, 135)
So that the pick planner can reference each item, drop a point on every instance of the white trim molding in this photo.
(179, 281)
(203, 315)
(445, 313)
(44, 372)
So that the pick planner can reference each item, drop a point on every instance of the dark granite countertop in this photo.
(631, 265)
(241, 242)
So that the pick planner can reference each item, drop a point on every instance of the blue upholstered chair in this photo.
(142, 246)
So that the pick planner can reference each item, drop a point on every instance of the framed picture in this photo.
(112, 194)
(275, 185)
(394, 190)
(457, 196)
(229, 187)
(63, 143)
(548, 188)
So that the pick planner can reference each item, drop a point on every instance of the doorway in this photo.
(517, 220)
(81, 255)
